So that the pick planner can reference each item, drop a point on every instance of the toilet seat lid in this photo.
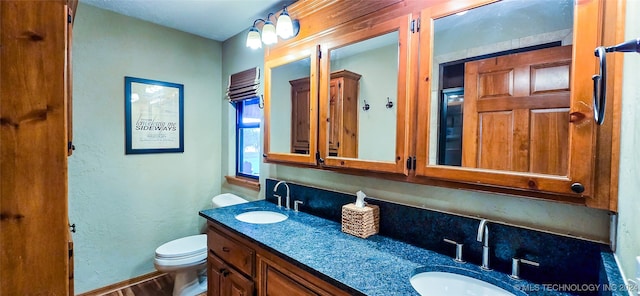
(186, 246)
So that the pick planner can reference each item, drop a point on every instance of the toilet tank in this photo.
(226, 199)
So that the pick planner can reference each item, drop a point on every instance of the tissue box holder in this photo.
(360, 222)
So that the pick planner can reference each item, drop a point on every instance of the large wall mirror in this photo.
(504, 95)
(364, 98)
(290, 125)
(500, 87)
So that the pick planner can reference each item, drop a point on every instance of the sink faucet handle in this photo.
(515, 267)
(279, 200)
(458, 250)
(297, 203)
(482, 229)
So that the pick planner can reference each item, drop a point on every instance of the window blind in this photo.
(243, 85)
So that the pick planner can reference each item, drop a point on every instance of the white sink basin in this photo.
(261, 217)
(436, 283)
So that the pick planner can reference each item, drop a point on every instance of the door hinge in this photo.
(415, 25)
(318, 158)
(69, 18)
(320, 54)
(411, 163)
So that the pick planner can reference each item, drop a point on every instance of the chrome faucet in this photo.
(279, 197)
(483, 236)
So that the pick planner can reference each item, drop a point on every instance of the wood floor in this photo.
(157, 285)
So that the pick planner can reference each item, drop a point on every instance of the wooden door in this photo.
(516, 114)
(34, 258)
(300, 115)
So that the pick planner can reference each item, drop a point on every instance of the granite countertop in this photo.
(376, 265)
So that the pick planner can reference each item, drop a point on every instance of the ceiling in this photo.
(214, 19)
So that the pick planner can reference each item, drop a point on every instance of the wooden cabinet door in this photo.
(279, 278)
(335, 116)
(506, 140)
(33, 156)
(343, 122)
(303, 131)
(279, 284)
(300, 115)
(223, 280)
(339, 101)
(516, 112)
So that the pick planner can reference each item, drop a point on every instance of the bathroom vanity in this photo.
(308, 254)
(238, 265)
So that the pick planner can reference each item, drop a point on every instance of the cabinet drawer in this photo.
(233, 252)
(224, 280)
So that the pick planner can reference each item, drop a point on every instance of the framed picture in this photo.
(154, 116)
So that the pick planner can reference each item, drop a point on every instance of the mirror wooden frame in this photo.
(286, 57)
(401, 25)
(582, 129)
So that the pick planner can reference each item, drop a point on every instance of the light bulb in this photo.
(284, 27)
(269, 33)
(253, 39)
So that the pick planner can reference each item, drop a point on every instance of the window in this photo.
(248, 153)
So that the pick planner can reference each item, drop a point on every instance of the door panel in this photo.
(279, 284)
(520, 104)
(549, 130)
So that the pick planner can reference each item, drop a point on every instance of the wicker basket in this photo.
(360, 222)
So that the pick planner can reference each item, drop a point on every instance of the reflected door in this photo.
(517, 112)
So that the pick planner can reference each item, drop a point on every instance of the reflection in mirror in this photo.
(366, 70)
(289, 121)
(500, 87)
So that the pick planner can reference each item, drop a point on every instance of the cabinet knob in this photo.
(224, 272)
(225, 249)
(577, 188)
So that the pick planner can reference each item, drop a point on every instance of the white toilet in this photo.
(186, 257)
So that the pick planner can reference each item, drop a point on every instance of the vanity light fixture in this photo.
(284, 27)
(269, 32)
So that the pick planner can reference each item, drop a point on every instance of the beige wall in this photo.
(376, 126)
(125, 206)
(237, 58)
(629, 189)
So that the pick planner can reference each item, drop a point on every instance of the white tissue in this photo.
(360, 199)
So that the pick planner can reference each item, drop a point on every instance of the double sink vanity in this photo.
(259, 247)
